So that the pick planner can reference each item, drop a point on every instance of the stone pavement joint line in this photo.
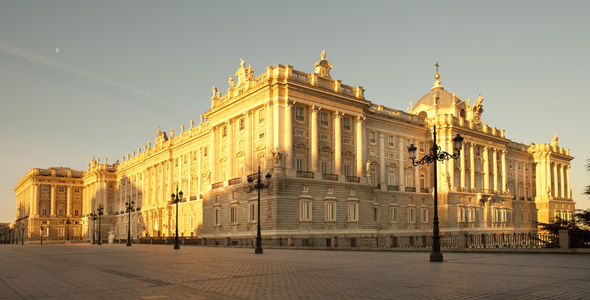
(158, 272)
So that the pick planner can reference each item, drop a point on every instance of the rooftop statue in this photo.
(322, 68)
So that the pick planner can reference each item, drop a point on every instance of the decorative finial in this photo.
(323, 55)
(436, 76)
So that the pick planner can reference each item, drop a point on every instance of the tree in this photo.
(587, 188)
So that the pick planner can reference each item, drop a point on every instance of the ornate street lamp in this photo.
(22, 236)
(68, 222)
(41, 234)
(176, 198)
(258, 186)
(129, 205)
(93, 216)
(436, 154)
(99, 212)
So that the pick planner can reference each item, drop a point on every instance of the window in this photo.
(331, 211)
(324, 166)
(253, 212)
(299, 132)
(241, 124)
(45, 188)
(424, 214)
(217, 217)
(346, 123)
(76, 212)
(299, 164)
(76, 190)
(373, 174)
(376, 214)
(305, 188)
(176, 163)
(110, 209)
(44, 211)
(391, 177)
(305, 210)
(372, 138)
(233, 212)
(352, 192)
(353, 212)
(391, 141)
(184, 161)
(324, 137)
(261, 136)
(471, 214)
(194, 155)
(330, 191)
(411, 215)
(393, 215)
(346, 141)
(409, 179)
(299, 113)
(224, 131)
(261, 116)
(205, 152)
(324, 119)
(461, 214)
(422, 181)
(61, 189)
(346, 170)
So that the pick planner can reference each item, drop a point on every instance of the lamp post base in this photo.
(436, 257)
(128, 243)
(258, 251)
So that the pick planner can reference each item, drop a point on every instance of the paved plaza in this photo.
(159, 272)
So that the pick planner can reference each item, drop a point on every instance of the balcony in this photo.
(333, 177)
(378, 186)
(410, 189)
(217, 185)
(234, 181)
(353, 179)
(393, 187)
(424, 190)
(253, 177)
(305, 174)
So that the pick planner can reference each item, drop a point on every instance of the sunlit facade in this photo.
(339, 166)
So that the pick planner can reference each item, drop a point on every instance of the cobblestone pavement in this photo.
(159, 272)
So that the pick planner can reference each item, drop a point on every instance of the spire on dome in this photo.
(437, 76)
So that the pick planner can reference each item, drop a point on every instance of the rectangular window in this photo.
(261, 116)
(324, 166)
(411, 215)
(61, 212)
(393, 217)
(44, 211)
(391, 141)
(76, 190)
(305, 210)
(61, 189)
(261, 136)
(241, 124)
(253, 212)
(372, 137)
(373, 175)
(299, 132)
(346, 141)
(376, 214)
(330, 191)
(331, 211)
(324, 119)
(110, 209)
(424, 215)
(347, 170)
(304, 188)
(299, 162)
(353, 212)
(217, 218)
(391, 177)
(234, 214)
(324, 137)
(346, 123)
(45, 188)
(75, 212)
(422, 181)
(205, 152)
(224, 131)
(299, 113)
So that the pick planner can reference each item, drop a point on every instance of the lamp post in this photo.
(258, 186)
(176, 198)
(68, 222)
(129, 205)
(93, 216)
(22, 236)
(41, 234)
(99, 212)
(436, 155)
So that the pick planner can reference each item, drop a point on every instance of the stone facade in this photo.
(339, 166)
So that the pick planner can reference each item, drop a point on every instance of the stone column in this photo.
(539, 181)
(35, 200)
(314, 138)
(486, 169)
(503, 158)
(289, 136)
(359, 142)
(338, 144)
(462, 165)
(69, 201)
(53, 200)
(401, 178)
(495, 166)
(249, 146)
(269, 137)
(568, 183)
(230, 149)
(555, 191)
(524, 179)
(382, 162)
(448, 145)
(472, 163)
(213, 156)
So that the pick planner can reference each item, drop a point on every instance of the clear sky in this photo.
(125, 68)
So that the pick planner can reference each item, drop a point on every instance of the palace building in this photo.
(338, 165)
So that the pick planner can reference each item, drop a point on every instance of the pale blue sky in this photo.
(126, 68)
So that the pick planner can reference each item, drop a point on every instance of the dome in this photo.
(438, 96)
